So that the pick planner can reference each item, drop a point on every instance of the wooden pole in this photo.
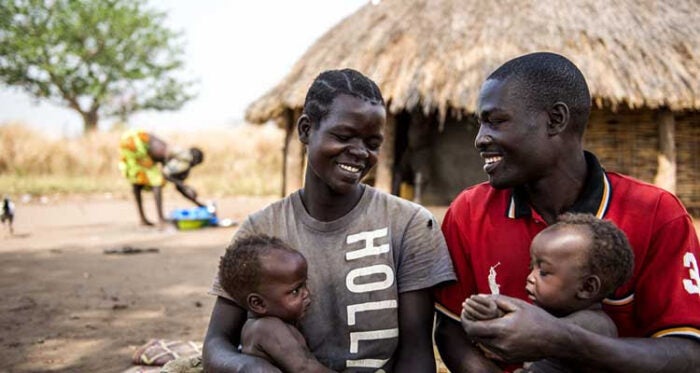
(385, 164)
(666, 173)
(294, 163)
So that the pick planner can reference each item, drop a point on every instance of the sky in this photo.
(234, 50)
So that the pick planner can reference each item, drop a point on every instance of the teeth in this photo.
(490, 160)
(349, 168)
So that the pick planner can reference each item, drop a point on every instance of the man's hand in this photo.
(524, 333)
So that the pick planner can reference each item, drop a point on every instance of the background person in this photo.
(374, 256)
(141, 153)
(532, 113)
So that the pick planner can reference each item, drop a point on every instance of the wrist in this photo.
(560, 343)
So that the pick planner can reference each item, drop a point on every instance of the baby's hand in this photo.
(480, 307)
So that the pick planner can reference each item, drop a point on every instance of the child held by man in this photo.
(575, 264)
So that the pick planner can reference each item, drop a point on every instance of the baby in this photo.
(575, 264)
(268, 278)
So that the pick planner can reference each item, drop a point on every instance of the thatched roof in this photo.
(435, 54)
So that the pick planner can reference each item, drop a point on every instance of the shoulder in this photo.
(264, 324)
(266, 220)
(269, 329)
(634, 195)
(477, 201)
(395, 206)
(595, 321)
(273, 209)
(479, 194)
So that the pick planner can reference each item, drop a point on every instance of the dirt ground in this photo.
(66, 306)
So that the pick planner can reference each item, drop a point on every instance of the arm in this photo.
(284, 345)
(457, 351)
(529, 333)
(186, 191)
(219, 353)
(415, 350)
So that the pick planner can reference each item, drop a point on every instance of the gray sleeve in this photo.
(423, 259)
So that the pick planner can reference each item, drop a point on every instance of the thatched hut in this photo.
(429, 57)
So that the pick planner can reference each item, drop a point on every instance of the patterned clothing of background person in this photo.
(140, 155)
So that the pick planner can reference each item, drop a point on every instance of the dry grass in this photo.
(245, 160)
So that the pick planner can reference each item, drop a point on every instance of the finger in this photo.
(480, 299)
(479, 307)
(508, 304)
(484, 329)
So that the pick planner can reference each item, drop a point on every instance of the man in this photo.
(532, 113)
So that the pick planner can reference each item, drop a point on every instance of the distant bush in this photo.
(244, 160)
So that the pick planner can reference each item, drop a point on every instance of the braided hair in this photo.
(330, 84)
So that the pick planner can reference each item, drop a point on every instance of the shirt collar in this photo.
(595, 198)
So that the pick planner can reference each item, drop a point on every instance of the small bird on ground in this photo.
(8, 213)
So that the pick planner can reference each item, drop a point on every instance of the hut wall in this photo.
(456, 163)
(626, 141)
(688, 160)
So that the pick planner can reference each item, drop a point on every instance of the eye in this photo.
(543, 273)
(374, 145)
(295, 291)
(341, 137)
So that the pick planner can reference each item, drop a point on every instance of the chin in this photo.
(499, 184)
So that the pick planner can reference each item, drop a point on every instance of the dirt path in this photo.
(66, 306)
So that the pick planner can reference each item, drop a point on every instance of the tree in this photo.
(99, 58)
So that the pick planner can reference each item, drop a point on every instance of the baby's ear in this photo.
(590, 287)
(256, 304)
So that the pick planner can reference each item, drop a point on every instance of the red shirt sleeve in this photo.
(667, 294)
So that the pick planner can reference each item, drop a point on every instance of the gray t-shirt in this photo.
(358, 265)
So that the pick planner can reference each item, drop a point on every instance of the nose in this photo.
(358, 150)
(483, 138)
(531, 277)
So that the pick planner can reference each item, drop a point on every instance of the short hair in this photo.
(546, 78)
(330, 84)
(197, 156)
(610, 256)
(240, 269)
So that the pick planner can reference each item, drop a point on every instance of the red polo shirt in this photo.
(488, 233)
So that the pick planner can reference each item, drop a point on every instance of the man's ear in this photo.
(256, 303)
(304, 128)
(590, 287)
(558, 118)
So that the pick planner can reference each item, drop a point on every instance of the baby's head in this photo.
(266, 276)
(577, 262)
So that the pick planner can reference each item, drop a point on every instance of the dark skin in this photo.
(541, 150)
(158, 151)
(342, 149)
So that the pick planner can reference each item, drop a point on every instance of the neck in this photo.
(555, 193)
(324, 204)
